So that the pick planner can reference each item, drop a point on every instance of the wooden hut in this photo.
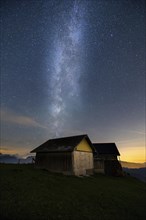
(106, 159)
(69, 155)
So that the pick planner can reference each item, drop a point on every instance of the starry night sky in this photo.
(73, 67)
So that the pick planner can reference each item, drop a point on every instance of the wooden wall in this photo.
(107, 156)
(71, 163)
(109, 167)
(56, 162)
(113, 167)
(82, 163)
(98, 166)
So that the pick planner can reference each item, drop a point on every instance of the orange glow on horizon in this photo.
(134, 154)
(14, 151)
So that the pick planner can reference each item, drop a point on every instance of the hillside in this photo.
(132, 165)
(139, 173)
(28, 193)
(137, 170)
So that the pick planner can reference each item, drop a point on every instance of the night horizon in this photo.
(71, 68)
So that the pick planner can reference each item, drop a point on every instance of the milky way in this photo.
(70, 67)
(66, 71)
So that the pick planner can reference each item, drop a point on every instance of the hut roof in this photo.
(64, 144)
(106, 148)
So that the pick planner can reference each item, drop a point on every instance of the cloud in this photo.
(132, 141)
(10, 149)
(5, 150)
(137, 132)
(12, 117)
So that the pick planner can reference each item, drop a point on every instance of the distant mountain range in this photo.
(137, 170)
(132, 165)
(7, 158)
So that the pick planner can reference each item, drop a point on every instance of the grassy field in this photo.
(28, 193)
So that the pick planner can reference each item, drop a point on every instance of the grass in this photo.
(29, 193)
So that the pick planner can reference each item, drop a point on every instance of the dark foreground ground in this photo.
(28, 193)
